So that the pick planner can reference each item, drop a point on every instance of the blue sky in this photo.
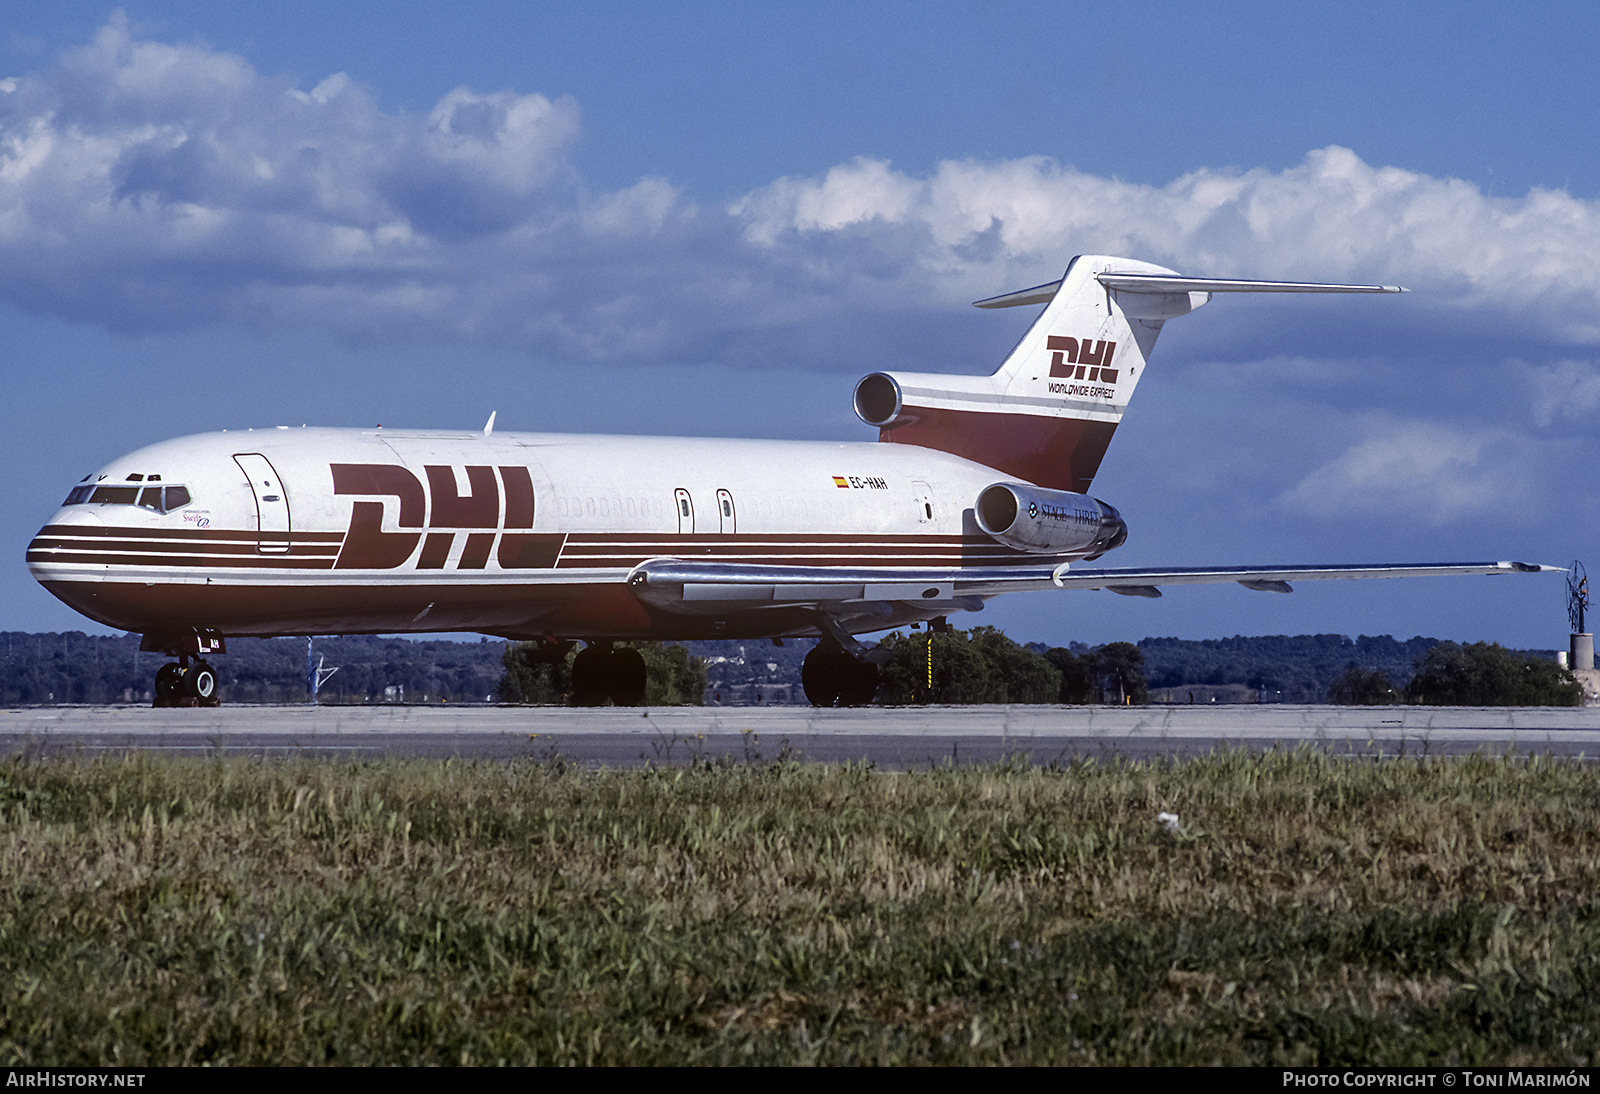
(713, 218)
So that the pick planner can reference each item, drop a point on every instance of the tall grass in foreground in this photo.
(1312, 910)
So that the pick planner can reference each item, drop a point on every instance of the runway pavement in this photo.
(892, 738)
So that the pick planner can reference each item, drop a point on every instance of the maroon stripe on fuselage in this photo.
(579, 608)
(201, 562)
(70, 544)
(773, 537)
(1058, 452)
(62, 543)
(624, 562)
(909, 546)
(107, 532)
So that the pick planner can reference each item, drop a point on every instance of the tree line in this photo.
(1478, 675)
(984, 666)
(981, 665)
(673, 677)
(74, 667)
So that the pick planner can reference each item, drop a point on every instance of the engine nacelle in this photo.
(1049, 522)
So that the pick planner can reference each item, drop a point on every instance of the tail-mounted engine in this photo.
(1049, 522)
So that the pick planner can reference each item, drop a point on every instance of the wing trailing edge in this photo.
(1276, 579)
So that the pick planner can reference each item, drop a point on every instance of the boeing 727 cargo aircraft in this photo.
(977, 486)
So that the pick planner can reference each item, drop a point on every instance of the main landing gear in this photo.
(832, 677)
(186, 683)
(601, 672)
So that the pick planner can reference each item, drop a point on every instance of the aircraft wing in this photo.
(712, 587)
(1273, 579)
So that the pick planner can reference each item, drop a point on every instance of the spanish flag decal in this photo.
(841, 482)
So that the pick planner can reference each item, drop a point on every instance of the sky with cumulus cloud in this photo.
(711, 221)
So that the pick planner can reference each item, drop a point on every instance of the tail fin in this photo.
(1048, 414)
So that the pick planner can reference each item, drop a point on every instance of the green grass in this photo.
(1312, 910)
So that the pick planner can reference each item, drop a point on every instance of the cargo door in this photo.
(272, 503)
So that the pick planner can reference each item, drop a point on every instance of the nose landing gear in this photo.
(190, 681)
(186, 683)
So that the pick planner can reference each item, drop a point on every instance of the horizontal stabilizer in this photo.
(1156, 283)
(1039, 294)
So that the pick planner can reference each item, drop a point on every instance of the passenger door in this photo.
(727, 517)
(684, 504)
(272, 503)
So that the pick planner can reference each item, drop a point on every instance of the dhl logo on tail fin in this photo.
(1067, 352)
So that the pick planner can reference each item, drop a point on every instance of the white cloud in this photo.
(144, 184)
(1565, 390)
(1419, 472)
(1332, 217)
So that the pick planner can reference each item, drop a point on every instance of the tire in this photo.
(822, 675)
(169, 685)
(200, 683)
(591, 677)
(628, 677)
(859, 683)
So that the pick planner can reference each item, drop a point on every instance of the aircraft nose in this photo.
(76, 516)
(67, 519)
(49, 543)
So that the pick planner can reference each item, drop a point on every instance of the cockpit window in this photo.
(115, 495)
(159, 499)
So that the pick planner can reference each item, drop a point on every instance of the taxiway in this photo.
(891, 738)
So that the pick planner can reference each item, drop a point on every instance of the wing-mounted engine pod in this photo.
(878, 400)
(1055, 522)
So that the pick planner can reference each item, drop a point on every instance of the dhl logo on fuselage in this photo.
(1071, 359)
(368, 547)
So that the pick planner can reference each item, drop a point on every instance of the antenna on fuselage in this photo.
(488, 427)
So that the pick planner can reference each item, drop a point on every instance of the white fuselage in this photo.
(302, 531)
